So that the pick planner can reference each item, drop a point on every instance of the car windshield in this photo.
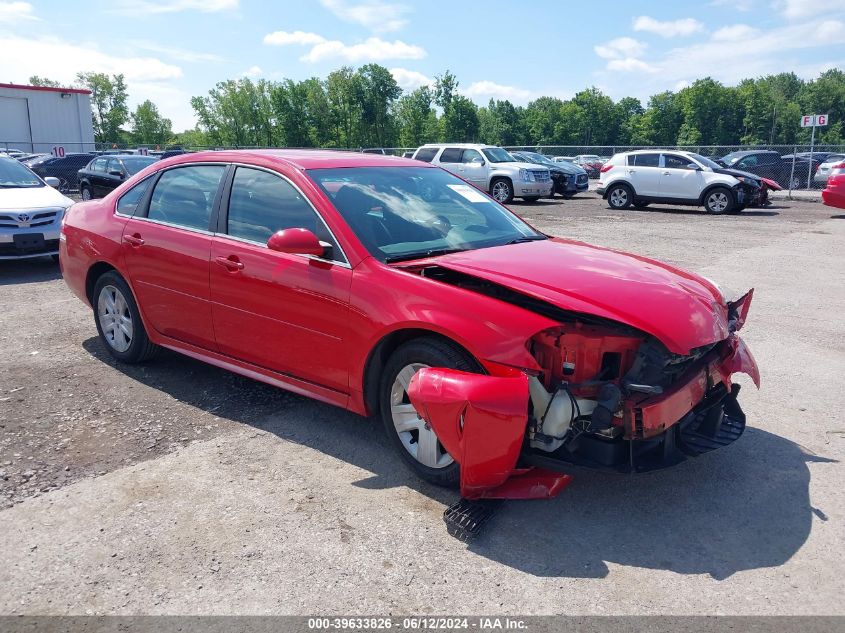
(498, 155)
(539, 158)
(13, 175)
(705, 161)
(730, 159)
(135, 164)
(405, 213)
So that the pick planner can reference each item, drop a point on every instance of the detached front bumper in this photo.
(482, 420)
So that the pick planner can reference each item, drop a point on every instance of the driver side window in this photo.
(471, 155)
(676, 162)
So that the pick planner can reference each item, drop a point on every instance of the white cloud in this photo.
(372, 14)
(808, 8)
(12, 12)
(735, 33)
(181, 54)
(670, 28)
(410, 80)
(630, 64)
(147, 7)
(620, 47)
(252, 72)
(491, 90)
(371, 49)
(284, 38)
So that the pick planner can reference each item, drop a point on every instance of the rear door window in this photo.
(451, 155)
(644, 160)
(184, 196)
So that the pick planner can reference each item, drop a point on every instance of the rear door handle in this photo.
(230, 263)
(134, 240)
(632, 171)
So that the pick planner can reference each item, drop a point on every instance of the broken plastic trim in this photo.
(481, 421)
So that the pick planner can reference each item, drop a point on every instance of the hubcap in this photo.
(86, 194)
(501, 191)
(416, 436)
(115, 318)
(618, 197)
(718, 202)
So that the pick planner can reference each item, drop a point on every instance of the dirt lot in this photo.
(176, 487)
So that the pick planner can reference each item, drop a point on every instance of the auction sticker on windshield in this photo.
(471, 194)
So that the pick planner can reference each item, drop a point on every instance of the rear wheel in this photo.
(119, 321)
(415, 441)
(719, 200)
(620, 197)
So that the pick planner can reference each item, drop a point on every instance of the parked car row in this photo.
(833, 194)
(790, 172)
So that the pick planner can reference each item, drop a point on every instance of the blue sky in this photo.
(170, 50)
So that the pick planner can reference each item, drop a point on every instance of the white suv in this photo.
(491, 169)
(674, 177)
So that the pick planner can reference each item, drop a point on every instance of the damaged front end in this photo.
(606, 397)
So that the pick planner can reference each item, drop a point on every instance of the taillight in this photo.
(605, 168)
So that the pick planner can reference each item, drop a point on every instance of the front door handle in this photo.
(134, 240)
(230, 263)
(667, 173)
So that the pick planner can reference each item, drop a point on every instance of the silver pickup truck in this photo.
(491, 169)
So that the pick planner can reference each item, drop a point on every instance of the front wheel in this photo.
(414, 440)
(502, 190)
(119, 321)
(85, 193)
(620, 197)
(719, 200)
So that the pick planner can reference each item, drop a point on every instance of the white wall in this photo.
(53, 120)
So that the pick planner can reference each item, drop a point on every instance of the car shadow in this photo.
(838, 217)
(27, 271)
(744, 507)
(701, 212)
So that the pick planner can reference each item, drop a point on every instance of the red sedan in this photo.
(496, 356)
(833, 194)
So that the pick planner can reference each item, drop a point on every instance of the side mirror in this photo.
(694, 167)
(477, 161)
(52, 181)
(296, 242)
(117, 173)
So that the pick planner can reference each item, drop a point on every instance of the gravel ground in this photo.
(176, 487)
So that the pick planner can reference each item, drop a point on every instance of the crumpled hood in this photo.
(22, 198)
(684, 311)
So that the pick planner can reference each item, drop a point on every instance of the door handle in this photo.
(230, 263)
(632, 171)
(667, 173)
(134, 240)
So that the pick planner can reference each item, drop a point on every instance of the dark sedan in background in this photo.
(105, 173)
(64, 168)
(568, 178)
(770, 164)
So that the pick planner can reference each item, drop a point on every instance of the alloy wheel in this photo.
(501, 191)
(717, 202)
(115, 318)
(86, 193)
(619, 197)
(416, 435)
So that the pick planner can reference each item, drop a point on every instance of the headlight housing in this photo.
(526, 176)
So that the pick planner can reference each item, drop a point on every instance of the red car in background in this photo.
(496, 356)
(833, 194)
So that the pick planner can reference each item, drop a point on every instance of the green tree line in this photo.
(365, 107)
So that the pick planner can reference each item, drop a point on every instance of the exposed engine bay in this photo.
(606, 396)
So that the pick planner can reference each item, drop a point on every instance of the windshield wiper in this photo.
(421, 254)
(527, 238)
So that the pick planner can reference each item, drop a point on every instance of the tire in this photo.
(85, 193)
(619, 197)
(502, 190)
(393, 397)
(127, 341)
(738, 209)
(719, 200)
(531, 199)
(795, 183)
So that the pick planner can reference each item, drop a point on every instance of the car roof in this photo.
(748, 152)
(652, 150)
(300, 158)
(460, 145)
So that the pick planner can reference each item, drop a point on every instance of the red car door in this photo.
(166, 249)
(284, 312)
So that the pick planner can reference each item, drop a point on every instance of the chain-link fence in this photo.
(791, 166)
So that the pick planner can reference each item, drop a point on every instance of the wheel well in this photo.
(94, 273)
(620, 183)
(495, 178)
(381, 353)
(707, 191)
